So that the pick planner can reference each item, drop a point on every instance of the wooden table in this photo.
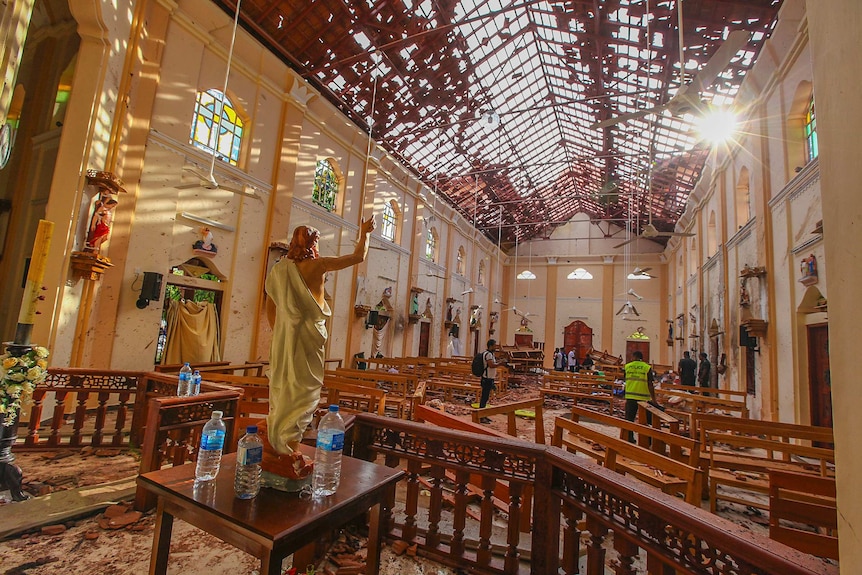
(274, 524)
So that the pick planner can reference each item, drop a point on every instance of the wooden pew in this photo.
(509, 409)
(577, 396)
(658, 470)
(797, 500)
(697, 390)
(687, 406)
(176, 367)
(402, 390)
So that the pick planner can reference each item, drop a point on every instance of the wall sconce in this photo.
(151, 288)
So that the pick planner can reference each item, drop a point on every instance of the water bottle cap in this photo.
(251, 429)
(186, 364)
(218, 414)
(333, 409)
(197, 372)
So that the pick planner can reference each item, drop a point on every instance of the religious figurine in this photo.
(475, 317)
(297, 311)
(414, 303)
(457, 318)
(449, 312)
(205, 244)
(744, 298)
(492, 321)
(100, 222)
(427, 312)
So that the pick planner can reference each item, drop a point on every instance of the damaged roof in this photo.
(509, 109)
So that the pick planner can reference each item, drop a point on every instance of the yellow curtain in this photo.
(193, 333)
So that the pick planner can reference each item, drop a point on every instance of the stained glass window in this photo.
(431, 244)
(388, 228)
(325, 185)
(811, 148)
(207, 135)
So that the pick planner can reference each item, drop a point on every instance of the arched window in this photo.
(459, 265)
(390, 220)
(431, 245)
(810, 128)
(326, 182)
(743, 199)
(711, 236)
(207, 135)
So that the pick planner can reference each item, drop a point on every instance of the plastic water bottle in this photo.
(195, 387)
(249, 454)
(209, 453)
(185, 380)
(327, 457)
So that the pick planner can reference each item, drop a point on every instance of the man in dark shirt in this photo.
(687, 369)
(703, 370)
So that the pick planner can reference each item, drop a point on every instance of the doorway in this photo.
(641, 345)
(424, 338)
(819, 379)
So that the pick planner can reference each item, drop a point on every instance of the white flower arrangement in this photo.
(19, 376)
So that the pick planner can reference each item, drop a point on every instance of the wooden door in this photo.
(424, 338)
(579, 336)
(819, 380)
(641, 345)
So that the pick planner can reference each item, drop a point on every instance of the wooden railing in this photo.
(669, 535)
(87, 397)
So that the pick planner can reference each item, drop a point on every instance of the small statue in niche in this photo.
(414, 303)
(427, 312)
(457, 318)
(744, 297)
(384, 304)
(475, 317)
(205, 244)
(492, 321)
(449, 312)
(809, 266)
(100, 222)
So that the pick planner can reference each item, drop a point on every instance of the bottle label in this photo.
(212, 440)
(330, 440)
(249, 455)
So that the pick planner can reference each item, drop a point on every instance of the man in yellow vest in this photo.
(639, 385)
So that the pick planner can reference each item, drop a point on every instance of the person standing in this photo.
(558, 359)
(639, 385)
(687, 369)
(703, 370)
(297, 311)
(489, 376)
(573, 360)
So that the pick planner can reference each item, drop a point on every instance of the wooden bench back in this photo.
(729, 393)
(509, 409)
(627, 458)
(797, 499)
(678, 447)
(788, 432)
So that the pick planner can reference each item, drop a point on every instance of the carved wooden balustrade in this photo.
(577, 507)
(94, 394)
(97, 404)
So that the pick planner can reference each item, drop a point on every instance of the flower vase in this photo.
(10, 474)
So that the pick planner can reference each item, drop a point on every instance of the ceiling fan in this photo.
(643, 272)
(650, 232)
(628, 309)
(687, 97)
(207, 180)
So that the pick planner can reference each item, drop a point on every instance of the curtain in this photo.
(193, 333)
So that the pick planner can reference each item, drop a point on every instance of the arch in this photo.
(692, 257)
(328, 180)
(795, 124)
(711, 235)
(389, 227)
(743, 198)
(217, 126)
(431, 244)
